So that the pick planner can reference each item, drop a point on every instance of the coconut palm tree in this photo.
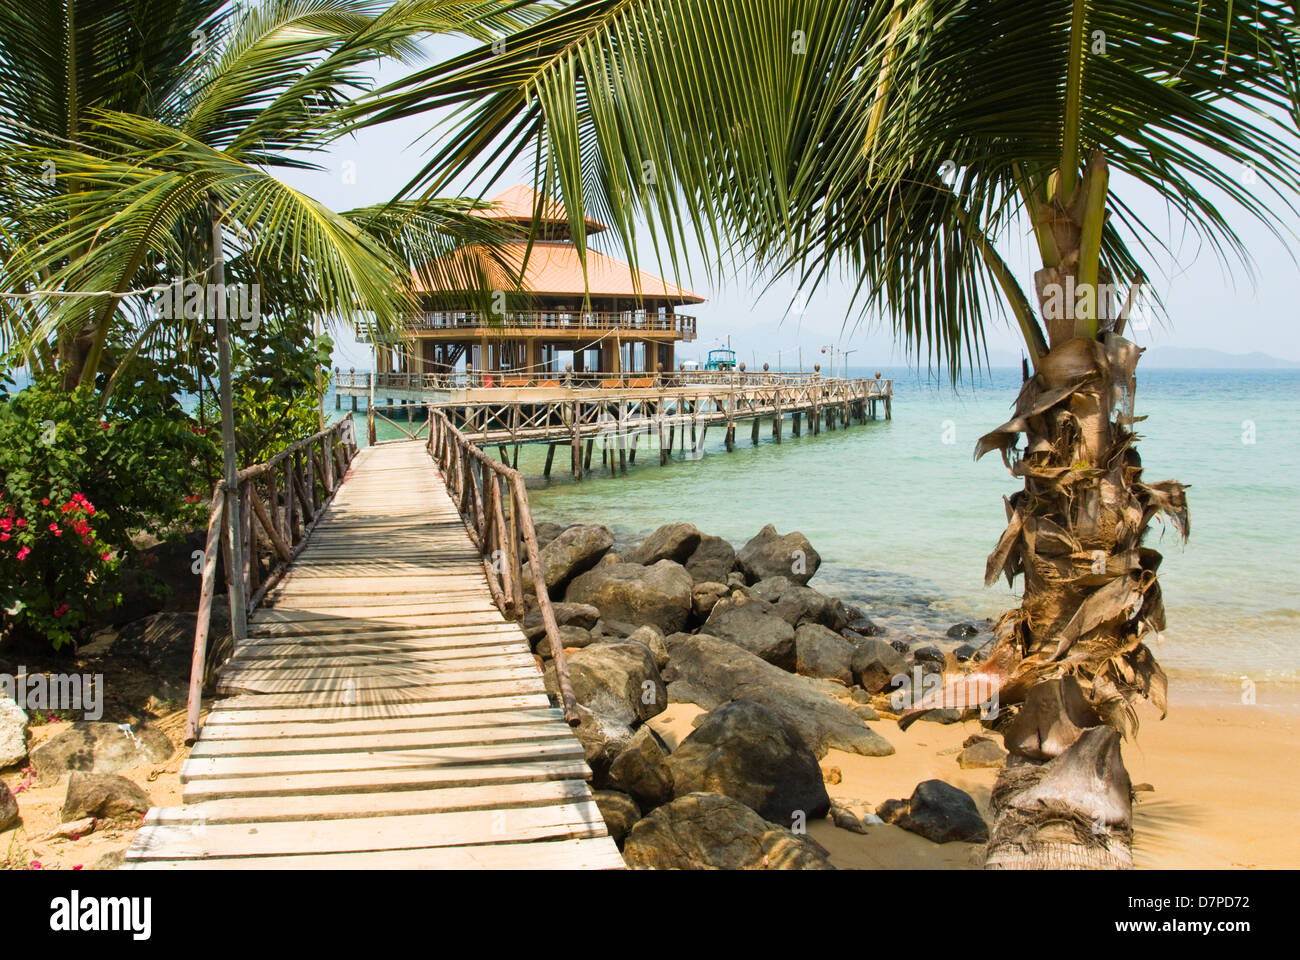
(135, 125)
(899, 142)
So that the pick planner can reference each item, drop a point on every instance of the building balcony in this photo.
(565, 324)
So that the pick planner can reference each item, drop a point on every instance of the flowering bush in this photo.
(52, 562)
(78, 480)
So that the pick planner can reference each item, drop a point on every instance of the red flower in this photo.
(103, 424)
(45, 501)
(61, 610)
(6, 523)
(22, 554)
(55, 527)
(21, 522)
(104, 557)
(3, 537)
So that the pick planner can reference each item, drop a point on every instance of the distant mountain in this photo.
(1191, 357)
(1186, 358)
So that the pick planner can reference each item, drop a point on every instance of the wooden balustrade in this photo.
(280, 500)
(493, 504)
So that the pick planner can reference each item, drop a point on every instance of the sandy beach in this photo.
(1224, 778)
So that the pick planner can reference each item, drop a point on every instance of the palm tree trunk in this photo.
(1073, 653)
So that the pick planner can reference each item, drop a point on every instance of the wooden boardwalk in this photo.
(382, 712)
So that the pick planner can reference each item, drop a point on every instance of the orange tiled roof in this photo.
(520, 202)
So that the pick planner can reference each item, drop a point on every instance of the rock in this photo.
(571, 638)
(618, 681)
(13, 733)
(602, 738)
(72, 830)
(99, 747)
(865, 711)
(964, 652)
(707, 831)
(901, 645)
(799, 604)
(770, 554)
(163, 645)
(931, 654)
(673, 541)
(103, 796)
(982, 753)
(659, 594)
(961, 631)
(573, 552)
(876, 663)
(8, 807)
(710, 672)
(566, 615)
(652, 638)
(705, 596)
(736, 580)
(855, 815)
(861, 624)
(613, 628)
(545, 532)
(713, 560)
(109, 861)
(944, 715)
(618, 810)
(745, 751)
(832, 775)
(642, 771)
(753, 625)
(939, 812)
(821, 652)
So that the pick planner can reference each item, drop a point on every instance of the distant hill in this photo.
(1212, 359)
(1187, 358)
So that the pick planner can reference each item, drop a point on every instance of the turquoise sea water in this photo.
(904, 520)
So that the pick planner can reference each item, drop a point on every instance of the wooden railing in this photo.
(354, 382)
(631, 321)
(493, 504)
(287, 495)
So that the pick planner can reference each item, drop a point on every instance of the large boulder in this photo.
(673, 541)
(641, 770)
(771, 554)
(707, 831)
(652, 637)
(8, 807)
(705, 596)
(566, 615)
(712, 561)
(821, 652)
(939, 812)
(754, 626)
(659, 594)
(102, 796)
(618, 681)
(799, 604)
(745, 751)
(571, 638)
(99, 747)
(574, 551)
(13, 733)
(710, 672)
(618, 810)
(876, 663)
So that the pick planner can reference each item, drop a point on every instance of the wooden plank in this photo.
(253, 710)
(596, 853)
(398, 778)
(341, 806)
(306, 729)
(364, 656)
(377, 742)
(173, 842)
(338, 683)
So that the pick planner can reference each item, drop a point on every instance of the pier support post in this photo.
(753, 434)
(550, 457)
(577, 443)
(591, 442)
(795, 424)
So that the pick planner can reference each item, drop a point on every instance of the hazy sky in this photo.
(1209, 305)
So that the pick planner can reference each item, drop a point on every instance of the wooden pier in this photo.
(627, 414)
(383, 711)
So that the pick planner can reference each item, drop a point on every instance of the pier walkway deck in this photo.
(382, 712)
